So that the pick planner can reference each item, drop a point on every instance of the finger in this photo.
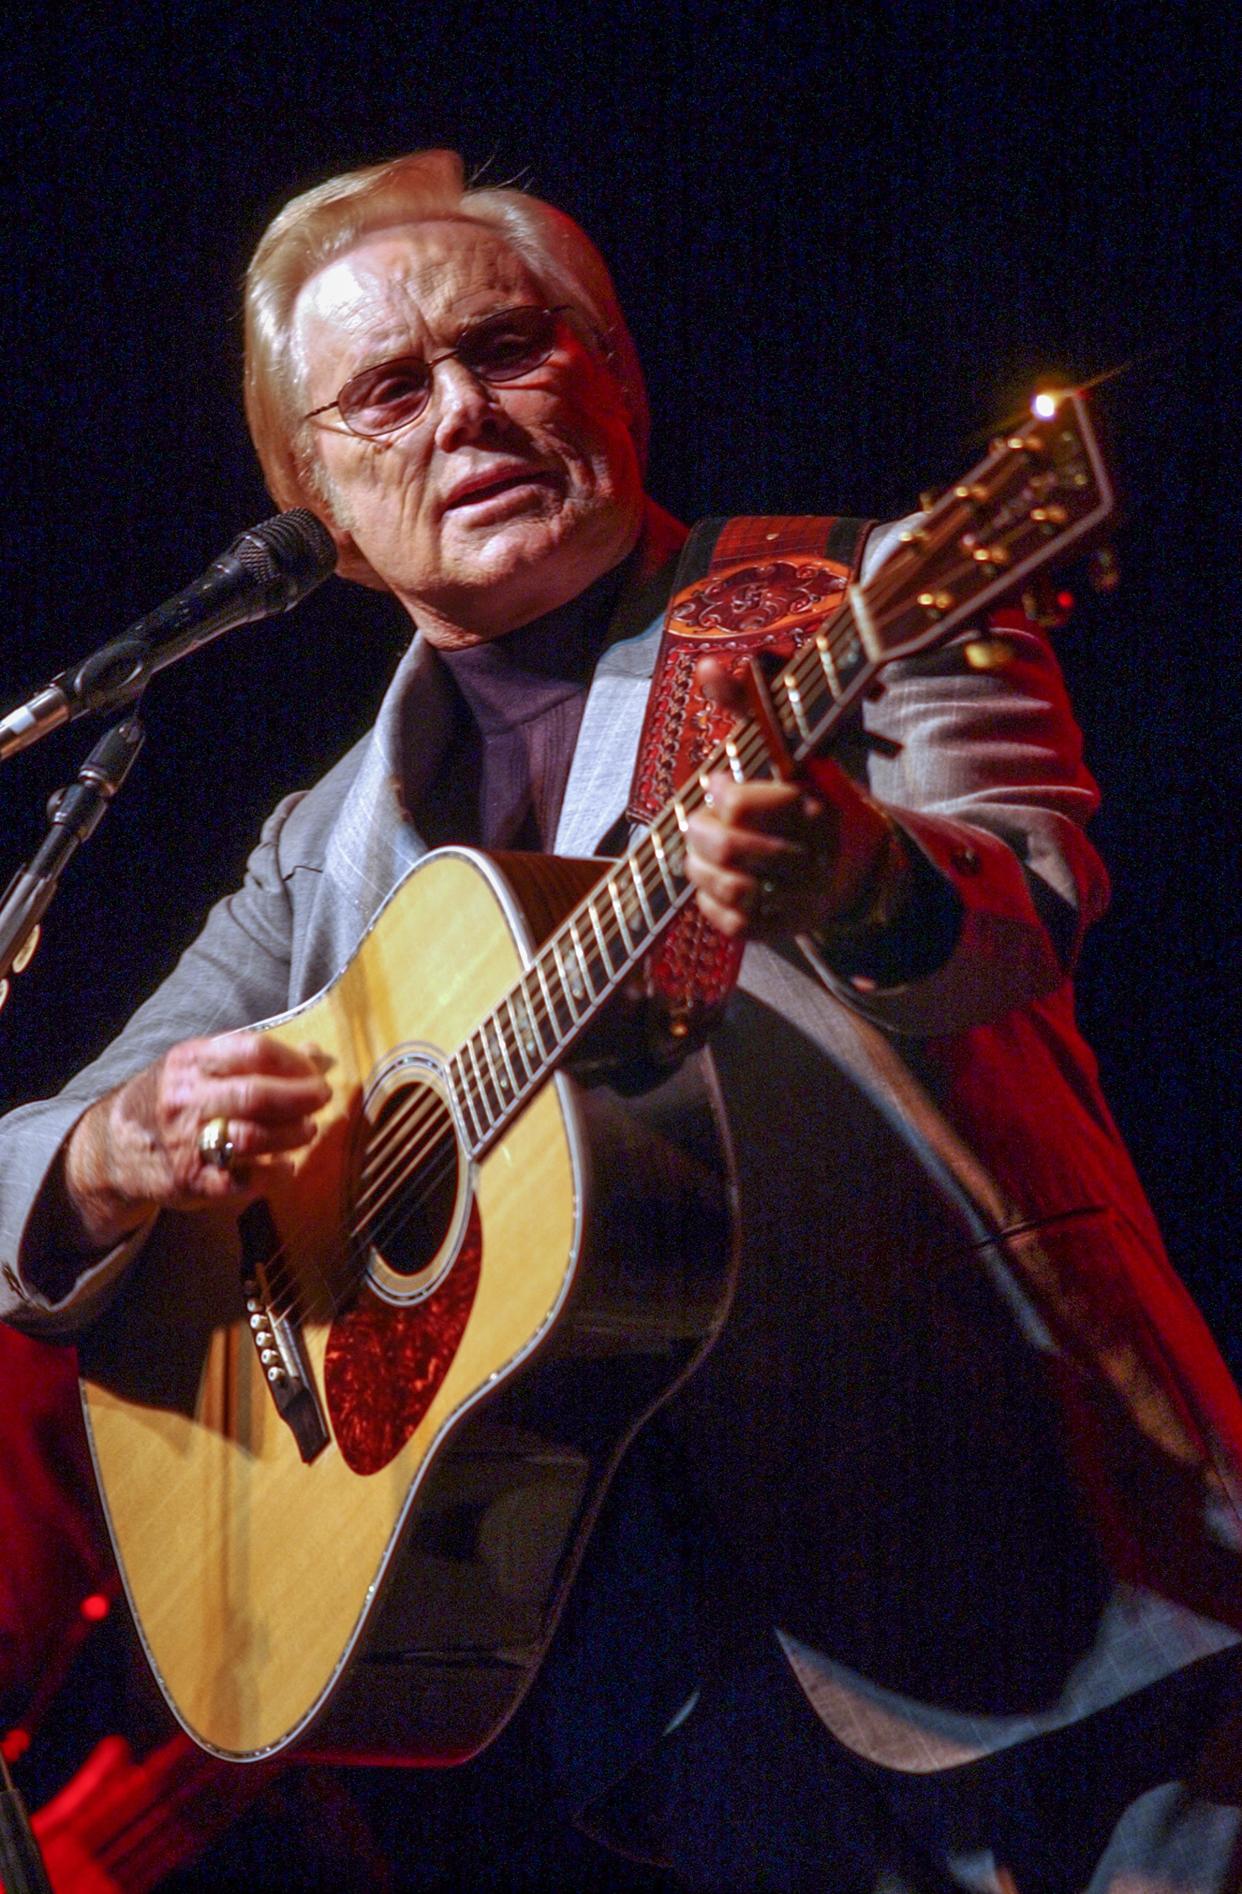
(252, 1141)
(253, 1097)
(725, 889)
(720, 686)
(725, 918)
(776, 807)
(255, 1052)
(731, 846)
(235, 1187)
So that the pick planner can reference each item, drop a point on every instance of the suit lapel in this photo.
(599, 779)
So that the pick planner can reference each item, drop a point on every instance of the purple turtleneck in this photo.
(522, 698)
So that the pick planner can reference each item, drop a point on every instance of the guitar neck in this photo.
(1034, 494)
(594, 951)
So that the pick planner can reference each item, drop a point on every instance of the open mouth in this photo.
(480, 492)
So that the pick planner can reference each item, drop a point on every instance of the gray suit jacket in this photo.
(959, 1373)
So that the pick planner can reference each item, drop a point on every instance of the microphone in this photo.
(264, 571)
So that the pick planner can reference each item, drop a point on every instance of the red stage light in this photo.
(95, 1607)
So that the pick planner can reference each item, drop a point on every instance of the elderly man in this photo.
(878, 1602)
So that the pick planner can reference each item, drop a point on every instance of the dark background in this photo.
(848, 239)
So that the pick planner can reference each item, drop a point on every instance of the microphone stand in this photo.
(21, 1865)
(74, 812)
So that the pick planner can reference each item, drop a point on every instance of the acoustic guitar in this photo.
(350, 1444)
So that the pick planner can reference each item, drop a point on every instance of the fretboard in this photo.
(579, 969)
(1035, 493)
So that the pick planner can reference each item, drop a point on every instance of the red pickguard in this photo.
(384, 1363)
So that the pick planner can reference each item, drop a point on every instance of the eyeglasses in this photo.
(496, 349)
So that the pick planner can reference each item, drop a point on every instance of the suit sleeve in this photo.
(987, 783)
(235, 974)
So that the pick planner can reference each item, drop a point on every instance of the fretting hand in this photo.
(778, 858)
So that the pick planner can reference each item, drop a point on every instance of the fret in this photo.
(462, 1093)
(640, 886)
(735, 762)
(662, 859)
(508, 1077)
(523, 1031)
(592, 986)
(564, 1013)
(867, 634)
(600, 936)
(537, 1017)
(553, 1018)
(480, 1086)
(829, 662)
(659, 897)
(794, 696)
(574, 981)
(622, 923)
(498, 1089)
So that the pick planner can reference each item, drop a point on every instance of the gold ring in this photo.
(215, 1146)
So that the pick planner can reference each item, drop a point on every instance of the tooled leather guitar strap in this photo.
(743, 586)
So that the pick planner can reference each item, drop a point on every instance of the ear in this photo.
(350, 562)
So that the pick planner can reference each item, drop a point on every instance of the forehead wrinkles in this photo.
(390, 291)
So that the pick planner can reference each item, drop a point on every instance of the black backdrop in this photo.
(848, 238)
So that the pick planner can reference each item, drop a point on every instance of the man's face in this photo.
(498, 503)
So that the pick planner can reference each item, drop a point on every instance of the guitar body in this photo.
(479, 1341)
(351, 1442)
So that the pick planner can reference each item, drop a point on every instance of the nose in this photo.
(463, 402)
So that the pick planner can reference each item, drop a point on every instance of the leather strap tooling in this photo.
(744, 586)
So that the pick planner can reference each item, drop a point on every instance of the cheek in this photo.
(600, 447)
(377, 493)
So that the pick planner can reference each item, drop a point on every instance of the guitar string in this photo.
(395, 1151)
(807, 669)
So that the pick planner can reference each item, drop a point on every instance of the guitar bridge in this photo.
(277, 1338)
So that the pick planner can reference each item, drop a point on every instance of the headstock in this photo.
(1039, 491)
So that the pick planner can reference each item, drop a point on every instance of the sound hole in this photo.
(409, 1180)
